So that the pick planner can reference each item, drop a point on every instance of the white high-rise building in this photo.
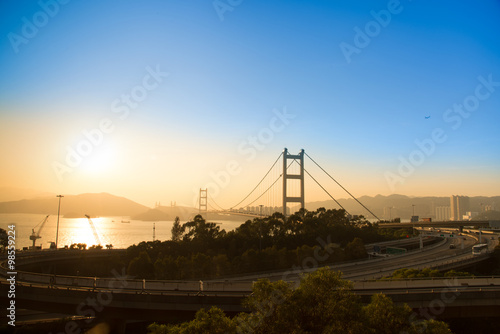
(443, 213)
(459, 206)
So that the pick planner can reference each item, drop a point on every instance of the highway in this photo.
(464, 294)
(132, 294)
(438, 255)
(432, 256)
(429, 257)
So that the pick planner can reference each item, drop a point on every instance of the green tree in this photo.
(250, 261)
(165, 268)
(3, 238)
(323, 303)
(184, 266)
(202, 265)
(405, 273)
(141, 266)
(177, 230)
(267, 312)
(384, 317)
(356, 249)
(221, 265)
(213, 321)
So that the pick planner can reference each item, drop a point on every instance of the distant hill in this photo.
(488, 215)
(401, 205)
(16, 194)
(167, 213)
(95, 205)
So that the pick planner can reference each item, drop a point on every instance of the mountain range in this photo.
(402, 206)
(104, 204)
(73, 206)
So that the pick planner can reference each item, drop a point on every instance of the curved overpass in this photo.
(471, 296)
(125, 298)
(438, 256)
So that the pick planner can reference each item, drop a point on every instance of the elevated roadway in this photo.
(438, 224)
(457, 295)
(126, 298)
(437, 256)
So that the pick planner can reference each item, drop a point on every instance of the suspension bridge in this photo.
(270, 195)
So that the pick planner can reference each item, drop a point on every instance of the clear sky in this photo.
(151, 99)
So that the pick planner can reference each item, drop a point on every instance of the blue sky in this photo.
(356, 115)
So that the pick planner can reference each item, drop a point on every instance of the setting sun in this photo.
(100, 161)
(82, 232)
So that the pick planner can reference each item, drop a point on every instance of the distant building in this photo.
(443, 213)
(388, 212)
(486, 207)
(469, 215)
(459, 205)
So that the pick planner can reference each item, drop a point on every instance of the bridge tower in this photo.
(203, 205)
(286, 177)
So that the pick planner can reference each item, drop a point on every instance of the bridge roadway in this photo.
(236, 213)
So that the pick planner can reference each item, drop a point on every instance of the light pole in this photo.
(413, 219)
(58, 212)
(260, 231)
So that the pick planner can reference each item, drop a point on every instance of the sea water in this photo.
(110, 230)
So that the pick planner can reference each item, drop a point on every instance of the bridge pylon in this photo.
(286, 177)
(203, 202)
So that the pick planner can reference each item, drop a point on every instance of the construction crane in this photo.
(96, 236)
(34, 236)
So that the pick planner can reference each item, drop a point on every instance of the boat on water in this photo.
(126, 221)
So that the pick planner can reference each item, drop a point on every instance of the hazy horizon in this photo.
(154, 100)
(40, 194)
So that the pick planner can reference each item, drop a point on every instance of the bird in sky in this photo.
(427, 117)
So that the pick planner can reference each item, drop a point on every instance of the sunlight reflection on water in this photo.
(110, 230)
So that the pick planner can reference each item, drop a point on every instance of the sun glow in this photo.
(82, 233)
(100, 161)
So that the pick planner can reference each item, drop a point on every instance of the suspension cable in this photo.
(213, 208)
(266, 190)
(305, 170)
(258, 183)
(212, 199)
(312, 177)
(341, 186)
(197, 201)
